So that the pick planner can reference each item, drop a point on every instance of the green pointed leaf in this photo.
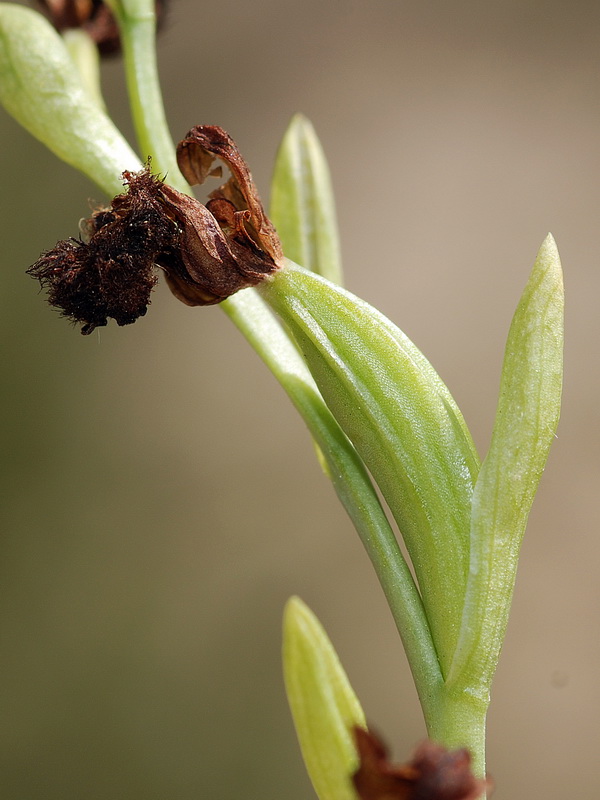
(41, 87)
(323, 704)
(302, 204)
(526, 420)
(402, 420)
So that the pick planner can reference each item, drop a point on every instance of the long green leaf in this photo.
(526, 420)
(405, 425)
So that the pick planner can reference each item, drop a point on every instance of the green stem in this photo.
(138, 39)
(459, 721)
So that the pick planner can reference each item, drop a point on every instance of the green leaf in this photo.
(41, 87)
(302, 204)
(526, 420)
(404, 424)
(323, 704)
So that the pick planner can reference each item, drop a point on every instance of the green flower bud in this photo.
(302, 204)
(323, 704)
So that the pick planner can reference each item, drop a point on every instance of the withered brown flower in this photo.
(433, 773)
(94, 16)
(206, 252)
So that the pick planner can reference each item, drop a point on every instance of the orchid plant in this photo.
(383, 422)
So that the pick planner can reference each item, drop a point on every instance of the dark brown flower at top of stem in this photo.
(206, 252)
(94, 16)
(434, 773)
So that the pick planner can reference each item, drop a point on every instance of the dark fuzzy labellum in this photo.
(111, 275)
(433, 773)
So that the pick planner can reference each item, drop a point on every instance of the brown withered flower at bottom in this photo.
(433, 773)
(207, 253)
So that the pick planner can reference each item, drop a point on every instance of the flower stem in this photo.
(459, 721)
(138, 38)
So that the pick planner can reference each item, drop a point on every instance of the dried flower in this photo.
(434, 773)
(206, 252)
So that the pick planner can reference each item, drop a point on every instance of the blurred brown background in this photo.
(161, 499)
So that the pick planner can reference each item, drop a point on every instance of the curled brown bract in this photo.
(433, 773)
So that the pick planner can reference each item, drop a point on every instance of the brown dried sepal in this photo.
(94, 16)
(434, 773)
(236, 204)
(215, 257)
(112, 274)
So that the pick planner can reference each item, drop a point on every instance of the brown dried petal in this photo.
(434, 773)
(196, 155)
(215, 258)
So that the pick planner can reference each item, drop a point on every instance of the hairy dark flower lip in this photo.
(207, 252)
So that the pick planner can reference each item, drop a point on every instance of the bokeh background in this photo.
(161, 499)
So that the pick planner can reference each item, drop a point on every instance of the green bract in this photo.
(526, 420)
(41, 87)
(323, 704)
(302, 205)
(404, 424)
